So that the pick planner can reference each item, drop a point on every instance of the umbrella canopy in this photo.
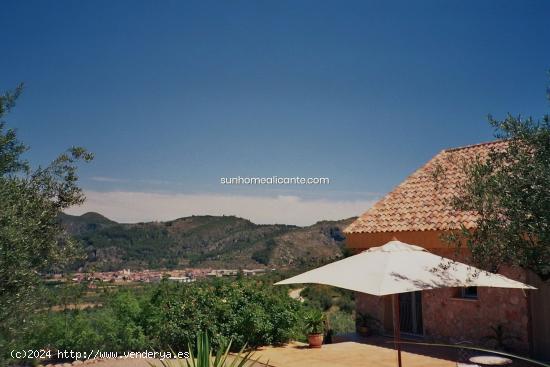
(398, 267)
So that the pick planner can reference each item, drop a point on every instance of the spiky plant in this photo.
(205, 356)
(315, 322)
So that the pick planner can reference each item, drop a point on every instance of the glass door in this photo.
(410, 309)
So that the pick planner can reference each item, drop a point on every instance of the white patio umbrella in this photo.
(397, 267)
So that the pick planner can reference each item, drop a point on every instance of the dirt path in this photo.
(295, 293)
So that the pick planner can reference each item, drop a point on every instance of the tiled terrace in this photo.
(348, 354)
(352, 350)
(349, 351)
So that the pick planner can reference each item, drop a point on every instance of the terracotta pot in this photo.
(363, 330)
(315, 340)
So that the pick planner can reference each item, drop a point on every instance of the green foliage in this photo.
(325, 297)
(510, 192)
(115, 327)
(73, 329)
(346, 302)
(203, 241)
(318, 296)
(246, 311)
(338, 305)
(264, 255)
(131, 243)
(314, 321)
(340, 322)
(31, 241)
(166, 316)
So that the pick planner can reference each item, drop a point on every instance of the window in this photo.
(468, 292)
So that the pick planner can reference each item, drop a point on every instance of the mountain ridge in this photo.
(203, 241)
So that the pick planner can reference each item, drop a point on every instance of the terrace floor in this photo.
(344, 353)
(348, 350)
(347, 353)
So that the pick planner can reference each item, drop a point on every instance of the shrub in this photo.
(115, 327)
(71, 330)
(346, 302)
(318, 297)
(170, 315)
(324, 297)
(341, 322)
(245, 311)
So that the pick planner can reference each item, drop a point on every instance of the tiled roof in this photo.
(422, 201)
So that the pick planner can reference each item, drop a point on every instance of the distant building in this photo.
(247, 272)
(181, 279)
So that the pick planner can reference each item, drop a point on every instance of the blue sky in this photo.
(173, 95)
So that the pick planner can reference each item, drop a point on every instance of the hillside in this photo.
(203, 241)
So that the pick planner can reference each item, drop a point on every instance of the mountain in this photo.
(203, 241)
(87, 222)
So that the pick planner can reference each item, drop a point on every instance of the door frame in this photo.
(415, 315)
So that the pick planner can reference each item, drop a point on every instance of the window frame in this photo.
(466, 293)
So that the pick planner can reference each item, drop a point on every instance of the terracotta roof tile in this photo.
(421, 202)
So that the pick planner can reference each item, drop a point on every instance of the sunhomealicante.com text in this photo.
(274, 180)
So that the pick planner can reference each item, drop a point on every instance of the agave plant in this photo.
(205, 356)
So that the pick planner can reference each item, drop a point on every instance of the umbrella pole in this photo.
(397, 327)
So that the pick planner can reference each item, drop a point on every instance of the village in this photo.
(152, 276)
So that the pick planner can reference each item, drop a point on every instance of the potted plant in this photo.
(365, 323)
(315, 326)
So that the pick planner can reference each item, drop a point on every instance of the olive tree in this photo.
(31, 239)
(510, 191)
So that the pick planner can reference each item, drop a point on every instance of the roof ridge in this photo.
(420, 202)
(474, 145)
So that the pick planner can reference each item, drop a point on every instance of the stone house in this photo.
(417, 212)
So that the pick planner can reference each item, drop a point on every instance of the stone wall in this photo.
(451, 319)
(448, 318)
